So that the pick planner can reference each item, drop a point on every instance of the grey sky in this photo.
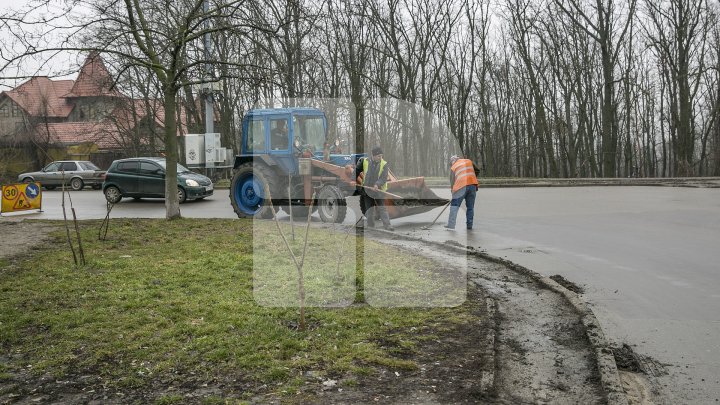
(61, 64)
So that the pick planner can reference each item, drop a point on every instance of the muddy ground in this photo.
(530, 347)
(542, 353)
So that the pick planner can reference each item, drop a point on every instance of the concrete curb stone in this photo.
(487, 379)
(607, 368)
(692, 182)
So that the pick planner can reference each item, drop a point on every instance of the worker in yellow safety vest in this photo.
(372, 174)
(464, 183)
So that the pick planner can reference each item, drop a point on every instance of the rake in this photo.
(436, 218)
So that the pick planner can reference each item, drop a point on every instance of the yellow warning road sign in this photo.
(22, 203)
(21, 197)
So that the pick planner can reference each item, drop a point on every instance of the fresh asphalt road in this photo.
(646, 256)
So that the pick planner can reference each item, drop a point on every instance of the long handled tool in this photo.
(436, 218)
(381, 193)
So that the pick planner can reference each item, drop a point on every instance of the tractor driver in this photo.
(335, 148)
(279, 136)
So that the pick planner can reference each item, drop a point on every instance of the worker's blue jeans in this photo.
(466, 193)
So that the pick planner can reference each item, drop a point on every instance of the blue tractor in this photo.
(287, 152)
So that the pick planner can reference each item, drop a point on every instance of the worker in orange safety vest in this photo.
(464, 183)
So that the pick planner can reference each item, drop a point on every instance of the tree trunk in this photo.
(172, 205)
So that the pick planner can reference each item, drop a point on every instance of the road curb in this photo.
(607, 368)
(693, 182)
(609, 375)
(490, 341)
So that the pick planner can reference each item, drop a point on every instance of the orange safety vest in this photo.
(464, 174)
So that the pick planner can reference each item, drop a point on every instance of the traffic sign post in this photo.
(21, 197)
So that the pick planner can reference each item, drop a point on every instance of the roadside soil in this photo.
(539, 346)
(19, 237)
(528, 346)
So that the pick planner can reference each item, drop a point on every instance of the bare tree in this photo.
(603, 28)
(154, 36)
(678, 31)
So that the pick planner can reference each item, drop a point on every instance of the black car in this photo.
(145, 177)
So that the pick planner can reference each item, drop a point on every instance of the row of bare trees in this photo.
(554, 88)
(546, 88)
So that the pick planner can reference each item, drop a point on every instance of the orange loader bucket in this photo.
(408, 197)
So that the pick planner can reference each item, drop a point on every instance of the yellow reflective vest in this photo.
(366, 164)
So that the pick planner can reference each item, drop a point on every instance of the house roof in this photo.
(41, 96)
(104, 134)
(153, 108)
(93, 80)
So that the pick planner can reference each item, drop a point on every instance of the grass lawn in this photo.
(161, 303)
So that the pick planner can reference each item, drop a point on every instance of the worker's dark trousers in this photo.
(373, 204)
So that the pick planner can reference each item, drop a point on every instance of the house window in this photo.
(15, 110)
(83, 112)
(4, 111)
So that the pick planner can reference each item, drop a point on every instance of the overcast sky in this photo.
(57, 65)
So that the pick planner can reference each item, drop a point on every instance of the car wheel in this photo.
(112, 194)
(182, 196)
(28, 180)
(76, 184)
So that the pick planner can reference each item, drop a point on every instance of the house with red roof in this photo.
(87, 118)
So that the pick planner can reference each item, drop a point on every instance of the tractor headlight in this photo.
(192, 183)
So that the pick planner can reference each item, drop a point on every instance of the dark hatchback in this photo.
(145, 177)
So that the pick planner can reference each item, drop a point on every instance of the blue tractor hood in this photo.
(342, 160)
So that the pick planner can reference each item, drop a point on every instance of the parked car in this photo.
(77, 173)
(145, 177)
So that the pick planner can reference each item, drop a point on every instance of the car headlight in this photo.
(192, 183)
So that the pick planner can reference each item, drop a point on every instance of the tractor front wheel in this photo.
(247, 191)
(332, 206)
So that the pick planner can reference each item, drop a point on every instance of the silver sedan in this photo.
(76, 173)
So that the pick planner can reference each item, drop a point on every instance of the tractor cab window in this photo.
(279, 134)
(256, 136)
(310, 131)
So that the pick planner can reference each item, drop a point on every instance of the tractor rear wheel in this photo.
(247, 190)
(331, 203)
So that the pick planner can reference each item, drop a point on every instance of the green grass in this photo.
(176, 298)
(390, 279)
(222, 183)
